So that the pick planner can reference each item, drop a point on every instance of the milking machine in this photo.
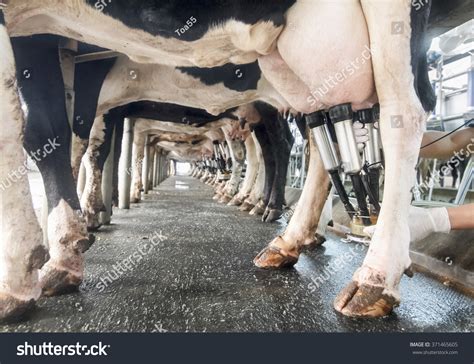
(372, 154)
(363, 170)
(318, 122)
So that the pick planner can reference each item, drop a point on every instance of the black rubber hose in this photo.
(359, 190)
(338, 185)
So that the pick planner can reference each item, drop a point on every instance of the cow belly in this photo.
(229, 41)
(326, 44)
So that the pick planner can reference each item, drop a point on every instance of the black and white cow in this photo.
(105, 84)
(214, 89)
(312, 72)
(100, 142)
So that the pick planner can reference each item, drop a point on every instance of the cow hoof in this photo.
(271, 215)
(56, 281)
(364, 300)
(257, 210)
(12, 308)
(39, 256)
(93, 226)
(83, 245)
(92, 220)
(274, 257)
(216, 197)
(236, 201)
(246, 206)
(225, 199)
(317, 241)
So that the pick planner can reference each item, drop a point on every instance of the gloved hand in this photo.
(422, 222)
(361, 134)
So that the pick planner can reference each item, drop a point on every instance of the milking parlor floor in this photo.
(197, 275)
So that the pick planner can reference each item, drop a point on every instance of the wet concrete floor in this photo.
(180, 262)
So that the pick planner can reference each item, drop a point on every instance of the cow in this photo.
(100, 141)
(214, 90)
(102, 85)
(285, 37)
(97, 152)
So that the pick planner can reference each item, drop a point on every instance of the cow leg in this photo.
(374, 288)
(282, 140)
(237, 152)
(21, 250)
(97, 152)
(47, 138)
(88, 80)
(250, 173)
(284, 250)
(91, 198)
(269, 163)
(258, 186)
(138, 153)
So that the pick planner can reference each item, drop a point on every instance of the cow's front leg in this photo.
(238, 159)
(267, 145)
(284, 250)
(21, 250)
(47, 140)
(94, 160)
(279, 132)
(91, 198)
(257, 189)
(374, 290)
(250, 174)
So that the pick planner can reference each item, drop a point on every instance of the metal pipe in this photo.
(107, 184)
(125, 163)
(146, 164)
(318, 124)
(341, 117)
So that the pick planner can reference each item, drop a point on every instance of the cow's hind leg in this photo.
(374, 288)
(257, 188)
(47, 140)
(250, 174)
(269, 166)
(237, 149)
(280, 133)
(21, 249)
(94, 160)
(284, 250)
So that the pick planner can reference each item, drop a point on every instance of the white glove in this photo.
(422, 222)
(361, 134)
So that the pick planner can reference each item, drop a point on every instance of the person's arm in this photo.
(423, 221)
(445, 148)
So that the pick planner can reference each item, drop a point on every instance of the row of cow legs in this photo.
(284, 250)
(262, 191)
(145, 170)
